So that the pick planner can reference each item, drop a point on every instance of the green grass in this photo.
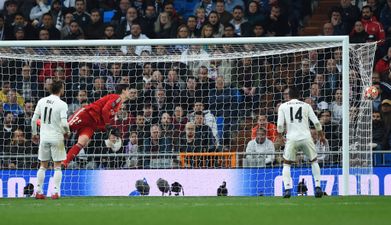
(197, 210)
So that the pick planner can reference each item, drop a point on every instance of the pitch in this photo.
(197, 210)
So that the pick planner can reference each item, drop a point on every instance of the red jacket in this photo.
(104, 110)
(373, 27)
(382, 65)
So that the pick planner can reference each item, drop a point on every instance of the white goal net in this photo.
(193, 112)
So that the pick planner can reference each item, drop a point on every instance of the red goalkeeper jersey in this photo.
(104, 109)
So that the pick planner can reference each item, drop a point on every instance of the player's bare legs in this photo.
(40, 179)
(82, 142)
(316, 173)
(286, 177)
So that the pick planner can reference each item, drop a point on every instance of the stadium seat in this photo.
(107, 15)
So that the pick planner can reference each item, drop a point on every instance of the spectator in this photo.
(207, 5)
(166, 126)
(19, 145)
(57, 14)
(5, 89)
(358, 34)
(21, 24)
(163, 27)
(261, 150)
(96, 28)
(339, 25)
(43, 35)
(378, 131)
(132, 148)
(65, 29)
(269, 127)
(123, 121)
(304, 76)
(11, 105)
(192, 24)
(147, 22)
(383, 64)
(189, 142)
(39, 10)
(48, 24)
(113, 76)
(161, 104)
(83, 79)
(331, 130)
(372, 26)
(209, 119)
(98, 89)
(6, 129)
(142, 129)
(385, 17)
(120, 14)
(188, 96)
(172, 85)
(75, 32)
(27, 84)
(169, 8)
(82, 18)
(182, 32)
(376, 8)
(11, 8)
(328, 29)
(76, 103)
(135, 33)
(277, 23)
(150, 115)
(214, 21)
(109, 32)
(205, 84)
(258, 30)
(239, 21)
(220, 67)
(336, 107)
(201, 20)
(224, 15)
(254, 13)
(204, 133)
(24, 121)
(350, 13)
(155, 145)
(224, 102)
(333, 77)
(207, 32)
(179, 120)
(124, 29)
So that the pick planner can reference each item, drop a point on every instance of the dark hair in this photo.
(293, 93)
(367, 6)
(238, 7)
(120, 87)
(57, 86)
(199, 113)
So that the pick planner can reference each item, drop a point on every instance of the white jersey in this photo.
(51, 110)
(295, 114)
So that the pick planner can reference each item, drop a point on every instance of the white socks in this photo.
(316, 173)
(286, 176)
(40, 179)
(57, 179)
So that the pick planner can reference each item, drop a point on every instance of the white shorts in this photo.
(306, 145)
(52, 150)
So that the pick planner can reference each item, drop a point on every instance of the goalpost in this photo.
(236, 79)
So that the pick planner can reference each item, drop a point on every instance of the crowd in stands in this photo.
(188, 107)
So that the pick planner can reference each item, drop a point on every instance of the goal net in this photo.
(195, 108)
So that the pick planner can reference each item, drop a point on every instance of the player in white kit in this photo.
(52, 112)
(294, 115)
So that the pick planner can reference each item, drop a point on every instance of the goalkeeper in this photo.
(95, 117)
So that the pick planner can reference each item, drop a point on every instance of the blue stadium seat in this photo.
(387, 159)
(107, 15)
